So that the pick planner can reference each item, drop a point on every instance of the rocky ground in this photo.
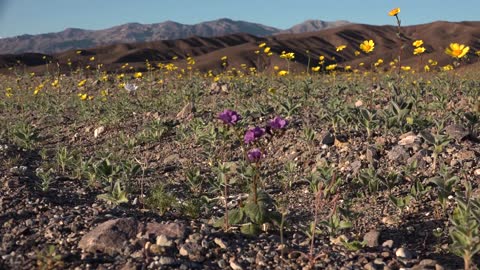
(65, 225)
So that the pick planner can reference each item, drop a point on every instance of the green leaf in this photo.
(235, 216)
(250, 229)
(255, 212)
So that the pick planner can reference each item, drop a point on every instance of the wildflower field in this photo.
(167, 167)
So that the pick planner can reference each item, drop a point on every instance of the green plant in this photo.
(116, 196)
(465, 232)
(64, 158)
(445, 184)
(194, 179)
(49, 259)
(369, 179)
(418, 190)
(46, 178)
(25, 135)
(160, 200)
(438, 141)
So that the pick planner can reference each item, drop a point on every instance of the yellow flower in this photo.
(82, 83)
(224, 58)
(267, 50)
(457, 50)
(426, 68)
(317, 68)
(361, 64)
(288, 56)
(417, 43)
(341, 48)
(276, 68)
(78, 52)
(406, 68)
(269, 54)
(92, 58)
(367, 46)
(216, 78)
(331, 67)
(272, 90)
(419, 50)
(282, 73)
(55, 83)
(357, 53)
(394, 12)
(477, 53)
(321, 57)
(432, 62)
(82, 96)
(262, 45)
(348, 68)
(257, 52)
(138, 75)
(447, 68)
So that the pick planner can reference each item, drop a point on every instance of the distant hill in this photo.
(240, 49)
(73, 38)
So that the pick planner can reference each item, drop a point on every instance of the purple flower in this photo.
(253, 134)
(254, 155)
(229, 117)
(277, 123)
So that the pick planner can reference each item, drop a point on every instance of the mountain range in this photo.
(74, 38)
(241, 49)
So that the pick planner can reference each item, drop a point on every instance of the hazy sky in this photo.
(41, 16)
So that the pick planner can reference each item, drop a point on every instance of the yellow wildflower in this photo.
(331, 67)
(357, 53)
(317, 68)
(417, 43)
(367, 46)
(224, 58)
(267, 50)
(457, 50)
(341, 48)
(92, 58)
(82, 83)
(138, 75)
(54, 83)
(406, 68)
(288, 56)
(394, 12)
(426, 68)
(282, 73)
(262, 45)
(419, 50)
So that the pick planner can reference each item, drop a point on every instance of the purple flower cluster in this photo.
(254, 155)
(277, 123)
(229, 117)
(253, 134)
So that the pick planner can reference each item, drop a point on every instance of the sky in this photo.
(19, 17)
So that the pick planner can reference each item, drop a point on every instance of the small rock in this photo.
(358, 103)
(403, 253)
(477, 172)
(163, 241)
(372, 154)
(328, 138)
(222, 264)
(220, 243)
(465, 155)
(170, 230)
(110, 236)
(235, 265)
(372, 238)
(98, 131)
(408, 139)
(166, 260)
(398, 154)
(388, 244)
(173, 158)
(456, 131)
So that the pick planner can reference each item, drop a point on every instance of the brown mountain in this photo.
(73, 38)
(312, 26)
(240, 48)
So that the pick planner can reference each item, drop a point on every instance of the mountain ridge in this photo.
(77, 38)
